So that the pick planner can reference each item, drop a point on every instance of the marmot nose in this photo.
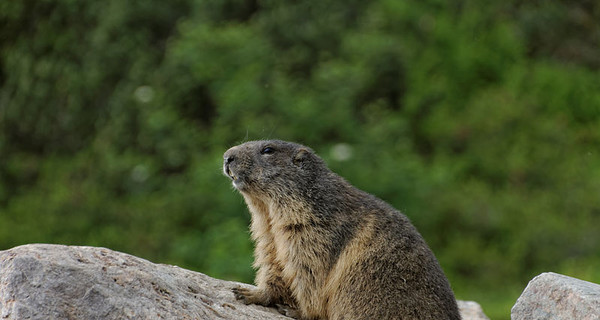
(229, 159)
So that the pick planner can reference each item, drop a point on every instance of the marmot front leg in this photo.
(270, 290)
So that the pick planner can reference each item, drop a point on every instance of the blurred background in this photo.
(478, 119)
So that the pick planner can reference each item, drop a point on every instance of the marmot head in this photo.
(271, 167)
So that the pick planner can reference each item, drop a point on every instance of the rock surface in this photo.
(555, 296)
(471, 310)
(41, 281)
(65, 282)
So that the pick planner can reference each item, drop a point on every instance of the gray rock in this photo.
(555, 296)
(66, 282)
(41, 281)
(471, 310)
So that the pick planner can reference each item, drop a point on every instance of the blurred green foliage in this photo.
(479, 120)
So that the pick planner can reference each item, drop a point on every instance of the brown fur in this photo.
(326, 250)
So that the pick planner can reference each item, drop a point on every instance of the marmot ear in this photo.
(301, 155)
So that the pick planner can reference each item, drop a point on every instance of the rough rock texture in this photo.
(41, 281)
(555, 296)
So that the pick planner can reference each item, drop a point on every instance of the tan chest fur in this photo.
(297, 257)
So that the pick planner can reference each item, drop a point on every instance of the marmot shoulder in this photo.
(327, 250)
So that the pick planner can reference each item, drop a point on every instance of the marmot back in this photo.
(327, 250)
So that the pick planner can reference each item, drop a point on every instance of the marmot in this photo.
(327, 250)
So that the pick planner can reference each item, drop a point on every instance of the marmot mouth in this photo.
(230, 174)
(238, 182)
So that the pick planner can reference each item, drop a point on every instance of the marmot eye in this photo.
(267, 150)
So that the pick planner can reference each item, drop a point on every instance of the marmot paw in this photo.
(249, 296)
(288, 311)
